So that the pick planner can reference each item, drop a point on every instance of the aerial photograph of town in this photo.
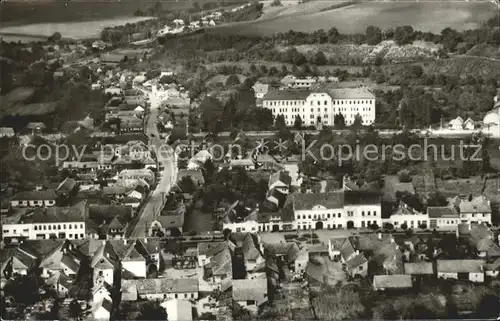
(248, 160)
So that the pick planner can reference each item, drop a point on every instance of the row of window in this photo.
(311, 103)
(55, 227)
(328, 215)
(474, 214)
(368, 213)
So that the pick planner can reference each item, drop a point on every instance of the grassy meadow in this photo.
(353, 18)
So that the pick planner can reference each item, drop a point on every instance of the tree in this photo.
(56, 36)
(339, 304)
(320, 59)
(358, 122)
(404, 35)
(232, 80)
(373, 35)
(279, 122)
(212, 112)
(404, 176)
(75, 310)
(339, 121)
(152, 311)
(298, 122)
(276, 3)
(166, 79)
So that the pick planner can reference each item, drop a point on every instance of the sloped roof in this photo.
(479, 204)
(419, 268)
(460, 266)
(287, 95)
(395, 281)
(49, 195)
(105, 257)
(67, 185)
(158, 286)
(309, 200)
(75, 213)
(442, 212)
(250, 289)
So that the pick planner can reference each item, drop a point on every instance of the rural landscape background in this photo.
(42, 18)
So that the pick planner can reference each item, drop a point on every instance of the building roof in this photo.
(260, 88)
(479, 204)
(350, 93)
(307, 201)
(250, 251)
(113, 58)
(442, 212)
(102, 213)
(221, 263)
(75, 213)
(418, 268)
(287, 95)
(161, 286)
(170, 221)
(281, 176)
(394, 281)
(250, 289)
(105, 257)
(460, 266)
(362, 198)
(35, 125)
(46, 195)
(67, 185)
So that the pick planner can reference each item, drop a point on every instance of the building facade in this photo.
(321, 106)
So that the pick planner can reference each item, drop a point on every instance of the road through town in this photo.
(168, 175)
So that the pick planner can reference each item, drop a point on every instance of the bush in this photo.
(423, 226)
(388, 226)
(404, 226)
(404, 176)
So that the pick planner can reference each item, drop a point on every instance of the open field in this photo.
(424, 16)
(73, 30)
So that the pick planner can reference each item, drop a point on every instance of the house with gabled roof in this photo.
(216, 260)
(254, 261)
(134, 262)
(45, 198)
(442, 216)
(250, 294)
(60, 260)
(162, 289)
(104, 263)
(60, 283)
(50, 222)
(472, 270)
(102, 291)
(354, 262)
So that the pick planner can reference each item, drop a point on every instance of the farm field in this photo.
(424, 16)
(73, 30)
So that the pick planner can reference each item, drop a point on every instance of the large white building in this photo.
(343, 209)
(308, 211)
(322, 105)
(52, 222)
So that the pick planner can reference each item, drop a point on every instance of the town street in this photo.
(168, 174)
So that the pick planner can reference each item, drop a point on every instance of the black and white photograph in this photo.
(249, 160)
